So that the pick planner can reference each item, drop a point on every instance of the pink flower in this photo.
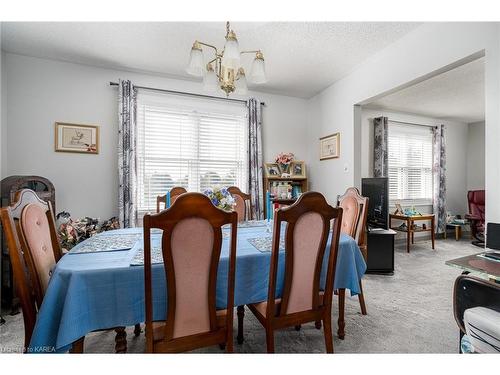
(284, 158)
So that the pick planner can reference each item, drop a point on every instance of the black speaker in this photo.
(493, 236)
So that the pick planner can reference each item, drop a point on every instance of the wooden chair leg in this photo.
(77, 346)
(230, 344)
(327, 330)
(270, 340)
(137, 329)
(341, 322)
(120, 340)
(361, 298)
(240, 311)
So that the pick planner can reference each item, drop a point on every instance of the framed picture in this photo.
(298, 169)
(329, 147)
(76, 138)
(272, 170)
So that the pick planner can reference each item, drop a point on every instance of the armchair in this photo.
(476, 215)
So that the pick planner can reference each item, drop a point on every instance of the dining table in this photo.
(98, 285)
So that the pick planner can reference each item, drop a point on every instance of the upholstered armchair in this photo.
(476, 216)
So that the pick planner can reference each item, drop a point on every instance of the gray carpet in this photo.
(410, 312)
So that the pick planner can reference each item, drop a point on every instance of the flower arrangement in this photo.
(221, 198)
(72, 232)
(284, 160)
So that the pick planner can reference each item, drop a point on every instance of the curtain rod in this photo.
(411, 123)
(188, 94)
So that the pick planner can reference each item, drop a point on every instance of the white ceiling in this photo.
(457, 94)
(301, 58)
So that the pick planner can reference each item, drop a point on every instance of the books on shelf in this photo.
(285, 189)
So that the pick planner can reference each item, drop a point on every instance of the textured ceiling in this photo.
(457, 94)
(301, 58)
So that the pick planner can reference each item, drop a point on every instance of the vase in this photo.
(285, 168)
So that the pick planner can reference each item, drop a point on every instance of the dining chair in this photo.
(243, 203)
(28, 212)
(34, 250)
(355, 211)
(174, 194)
(308, 223)
(191, 246)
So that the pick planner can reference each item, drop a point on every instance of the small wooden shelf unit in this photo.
(295, 181)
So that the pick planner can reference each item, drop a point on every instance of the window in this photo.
(410, 163)
(188, 142)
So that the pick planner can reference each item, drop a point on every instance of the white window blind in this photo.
(188, 142)
(410, 163)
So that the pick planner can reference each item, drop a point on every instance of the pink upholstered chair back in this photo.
(350, 215)
(308, 223)
(243, 205)
(36, 230)
(308, 242)
(355, 211)
(191, 246)
(240, 207)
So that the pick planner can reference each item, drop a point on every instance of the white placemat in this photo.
(265, 244)
(101, 243)
(156, 257)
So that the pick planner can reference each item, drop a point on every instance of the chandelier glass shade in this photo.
(195, 66)
(224, 70)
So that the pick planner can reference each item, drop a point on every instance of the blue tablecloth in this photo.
(101, 290)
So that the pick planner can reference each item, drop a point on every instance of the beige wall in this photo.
(475, 156)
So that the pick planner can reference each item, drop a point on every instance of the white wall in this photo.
(456, 153)
(417, 55)
(42, 92)
(475, 156)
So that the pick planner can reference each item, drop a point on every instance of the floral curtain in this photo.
(127, 172)
(255, 184)
(439, 178)
(380, 146)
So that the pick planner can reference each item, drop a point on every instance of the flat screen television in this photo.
(377, 191)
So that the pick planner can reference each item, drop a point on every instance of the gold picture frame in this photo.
(329, 147)
(272, 169)
(298, 169)
(79, 138)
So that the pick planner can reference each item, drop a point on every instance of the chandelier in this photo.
(225, 70)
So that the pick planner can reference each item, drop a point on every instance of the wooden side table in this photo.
(410, 230)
